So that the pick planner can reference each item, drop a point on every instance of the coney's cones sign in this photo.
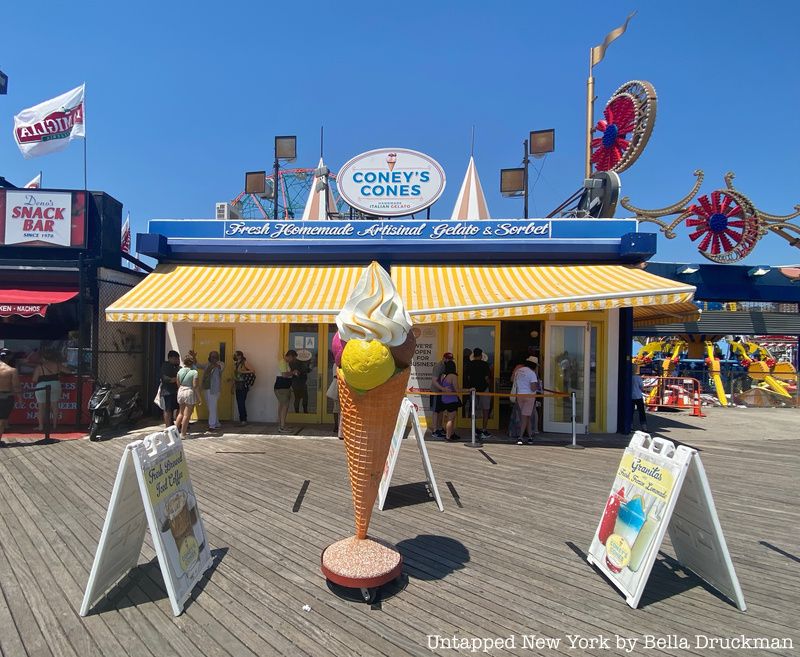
(50, 126)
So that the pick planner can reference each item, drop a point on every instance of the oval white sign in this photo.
(391, 182)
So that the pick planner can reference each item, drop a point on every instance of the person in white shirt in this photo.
(527, 382)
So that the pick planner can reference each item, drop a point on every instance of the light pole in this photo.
(285, 149)
(514, 182)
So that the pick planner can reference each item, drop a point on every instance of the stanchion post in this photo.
(473, 442)
(49, 411)
(574, 444)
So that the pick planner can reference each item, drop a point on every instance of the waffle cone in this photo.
(367, 423)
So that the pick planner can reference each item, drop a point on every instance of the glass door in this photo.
(304, 402)
(485, 336)
(567, 369)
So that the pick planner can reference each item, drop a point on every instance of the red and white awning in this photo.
(31, 302)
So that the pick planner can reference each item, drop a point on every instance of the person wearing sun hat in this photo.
(436, 400)
(527, 382)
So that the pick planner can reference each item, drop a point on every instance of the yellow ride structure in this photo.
(762, 367)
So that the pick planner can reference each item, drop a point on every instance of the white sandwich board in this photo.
(659, 487)
(407, 411)
(152, 489)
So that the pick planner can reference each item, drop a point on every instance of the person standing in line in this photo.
(447, 383)
(283, 388)
(9, 390)
(188, 394)
(637, 397)
(436, 400)
(527, 382)
(479, 376)
(48, 374)
(240, 370)
(212, 385)
(299, 382)
(169, 387)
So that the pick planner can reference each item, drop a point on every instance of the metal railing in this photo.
(473, 394)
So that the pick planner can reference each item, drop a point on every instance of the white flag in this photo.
(50, 126)
(35, 183)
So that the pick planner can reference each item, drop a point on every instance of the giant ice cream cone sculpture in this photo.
(374, 347)
(368, 422)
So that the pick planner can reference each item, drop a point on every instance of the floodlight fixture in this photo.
(512, 182)
(760, 270)
(255, 182)
(286, 148)
(542, 142)
(687, 269)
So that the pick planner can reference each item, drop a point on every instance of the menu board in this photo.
(152, 489)
(645, 500)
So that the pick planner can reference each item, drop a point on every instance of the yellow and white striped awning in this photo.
(439, 293)
(237, 293)
(667, 314)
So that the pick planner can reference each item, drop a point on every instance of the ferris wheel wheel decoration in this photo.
(726, 225)
(626, 126)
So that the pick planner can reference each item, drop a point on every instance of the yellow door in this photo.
(205, 340)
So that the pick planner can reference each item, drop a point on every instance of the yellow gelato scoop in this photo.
(366, 364)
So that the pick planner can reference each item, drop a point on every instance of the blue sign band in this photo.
(394, 230)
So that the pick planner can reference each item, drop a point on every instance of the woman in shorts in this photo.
(450, 402)
(48, 375)
(188, 395)
(283, 388)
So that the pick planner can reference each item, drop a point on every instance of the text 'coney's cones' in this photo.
(368, 420)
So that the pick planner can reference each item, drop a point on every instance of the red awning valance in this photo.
(31, 302)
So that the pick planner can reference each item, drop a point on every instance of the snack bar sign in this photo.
(40, 219)
(391, 182)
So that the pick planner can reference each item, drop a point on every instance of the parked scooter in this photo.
(111, 408)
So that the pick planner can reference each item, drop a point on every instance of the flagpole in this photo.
(589, 116)
(85, 179)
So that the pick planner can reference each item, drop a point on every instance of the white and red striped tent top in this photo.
(315, 205)
(471, 203)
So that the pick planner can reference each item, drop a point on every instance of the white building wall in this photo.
(261, 346)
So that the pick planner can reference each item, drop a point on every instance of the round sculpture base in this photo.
(361, 563)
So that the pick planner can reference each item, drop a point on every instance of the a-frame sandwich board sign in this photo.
(152, 489)
(659, 487)
(408, 411)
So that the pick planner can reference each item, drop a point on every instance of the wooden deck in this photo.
(506, 561)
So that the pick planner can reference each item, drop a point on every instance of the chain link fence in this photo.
(124, 348)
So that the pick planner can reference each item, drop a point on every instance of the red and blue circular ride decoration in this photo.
(725, 224)
(626, 126)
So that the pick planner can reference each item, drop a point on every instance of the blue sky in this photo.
(183, 99)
